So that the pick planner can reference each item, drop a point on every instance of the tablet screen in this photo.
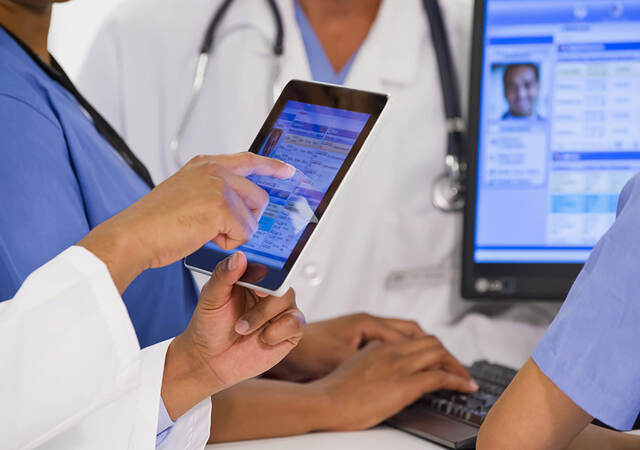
(321, 142)
(316, 141)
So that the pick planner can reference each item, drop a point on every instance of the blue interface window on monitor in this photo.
(316, 141)
(559, 126)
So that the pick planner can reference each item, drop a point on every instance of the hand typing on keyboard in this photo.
(384, 378)
(492, 380)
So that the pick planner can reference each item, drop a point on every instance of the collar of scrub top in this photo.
(319, 64)
(56, 73)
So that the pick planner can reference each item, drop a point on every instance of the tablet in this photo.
(321, 130)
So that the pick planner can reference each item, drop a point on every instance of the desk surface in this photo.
(378, 438)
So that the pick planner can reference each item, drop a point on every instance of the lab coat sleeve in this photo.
(68, 348)
(99, 78)
(190, 431)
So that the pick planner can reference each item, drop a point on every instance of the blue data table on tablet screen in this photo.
(551, 163)
(316, 141)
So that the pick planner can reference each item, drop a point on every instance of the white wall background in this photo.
(74, 25)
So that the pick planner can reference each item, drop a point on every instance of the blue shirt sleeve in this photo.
(590, 351)
(165, 424)
(39, 192)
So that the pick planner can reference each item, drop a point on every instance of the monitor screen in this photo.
(316, 140)
(558, 126)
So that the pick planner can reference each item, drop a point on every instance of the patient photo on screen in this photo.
(518, 88)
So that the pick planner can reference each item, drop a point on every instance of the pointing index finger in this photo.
(252, 164)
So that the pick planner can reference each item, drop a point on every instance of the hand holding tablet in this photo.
(321, 130)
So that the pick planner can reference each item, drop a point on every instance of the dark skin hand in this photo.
(326, 344)
(370, 386)
(390, 377)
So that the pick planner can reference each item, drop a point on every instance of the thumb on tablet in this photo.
(217, 291)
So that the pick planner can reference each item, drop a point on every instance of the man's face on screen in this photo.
(521, 88)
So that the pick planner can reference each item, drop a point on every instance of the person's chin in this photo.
(522, 113)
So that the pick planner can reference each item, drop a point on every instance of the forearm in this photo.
(262, 408)
(114, 247)
(533, 412)
(598, 438)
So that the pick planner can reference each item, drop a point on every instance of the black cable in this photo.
(218, 16)
(448, 76)
(278, 46)
(207, 41)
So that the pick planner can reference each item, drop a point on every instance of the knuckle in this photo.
(268, 337)
(291, 323)
(441, 354)
(432, 340)
(212, 167)
(439, 377)
(245, 157)
(263, 196)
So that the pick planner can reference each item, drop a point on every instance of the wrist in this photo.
(323, 408)
(117, 251)
(186, 380)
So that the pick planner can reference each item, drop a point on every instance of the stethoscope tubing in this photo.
(447, 189)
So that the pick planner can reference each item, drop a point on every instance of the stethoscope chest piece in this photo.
(447, 194)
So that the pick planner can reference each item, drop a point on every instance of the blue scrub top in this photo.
(591, 350)
(59, 178)
(319, 64)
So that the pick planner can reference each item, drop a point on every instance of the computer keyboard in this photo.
(492, 379)
(453, 418)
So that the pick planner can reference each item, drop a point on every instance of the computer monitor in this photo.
(554, 136)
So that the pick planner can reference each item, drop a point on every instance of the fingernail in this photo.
(292, 170)
(473, 385)
(242, 326)
(301, 318)
(232, 262)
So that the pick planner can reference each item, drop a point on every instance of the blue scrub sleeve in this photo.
(590, 351)
(42, 209)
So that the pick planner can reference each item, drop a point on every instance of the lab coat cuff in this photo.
(191, 430)
(107, 298)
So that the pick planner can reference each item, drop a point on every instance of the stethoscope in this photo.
(448, 188)
(203, 63)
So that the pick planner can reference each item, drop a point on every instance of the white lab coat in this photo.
(72, 373)
(139, 74)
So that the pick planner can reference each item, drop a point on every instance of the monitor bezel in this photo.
(519, 281)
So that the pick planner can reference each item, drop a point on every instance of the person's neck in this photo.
(30, 25)
(341, 25)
